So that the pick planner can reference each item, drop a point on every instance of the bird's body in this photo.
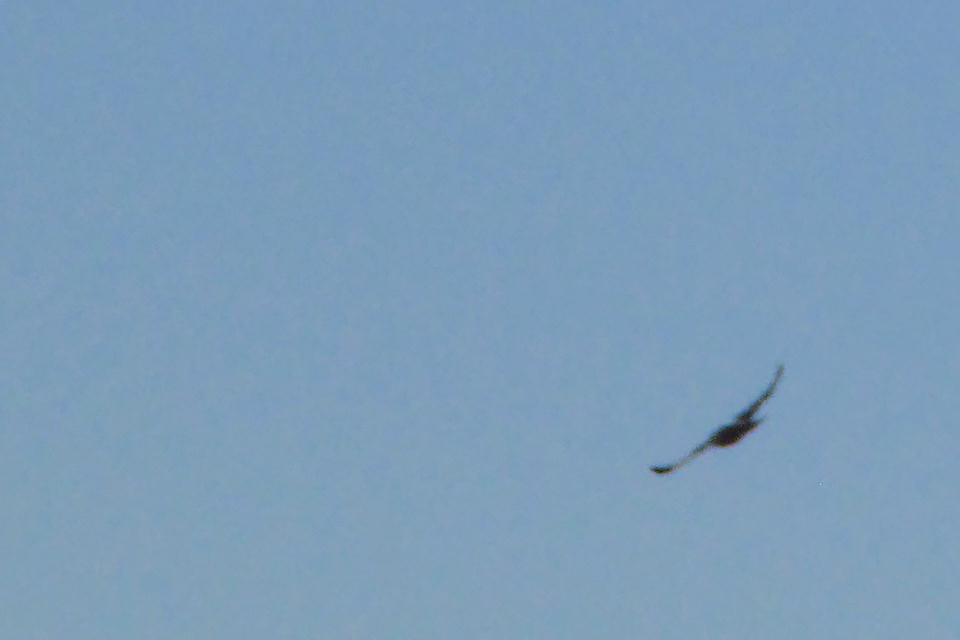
(731, 433)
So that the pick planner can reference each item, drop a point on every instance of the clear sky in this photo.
(365, 320)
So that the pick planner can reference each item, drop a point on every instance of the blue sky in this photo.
(365, 320)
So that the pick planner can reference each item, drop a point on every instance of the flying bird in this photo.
(731, 433)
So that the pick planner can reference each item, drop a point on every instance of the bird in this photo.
(731, 433)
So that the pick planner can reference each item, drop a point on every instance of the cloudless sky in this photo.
(366, 319)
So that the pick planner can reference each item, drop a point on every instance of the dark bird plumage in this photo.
(731, 433)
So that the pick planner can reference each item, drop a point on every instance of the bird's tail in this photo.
(676, 465)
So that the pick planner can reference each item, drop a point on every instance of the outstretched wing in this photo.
(676, 465)
(747, 413)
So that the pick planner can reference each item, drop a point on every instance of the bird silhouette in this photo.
(731, 433)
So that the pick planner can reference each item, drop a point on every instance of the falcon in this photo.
(731, 433)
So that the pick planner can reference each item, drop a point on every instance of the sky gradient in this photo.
(365, 320)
